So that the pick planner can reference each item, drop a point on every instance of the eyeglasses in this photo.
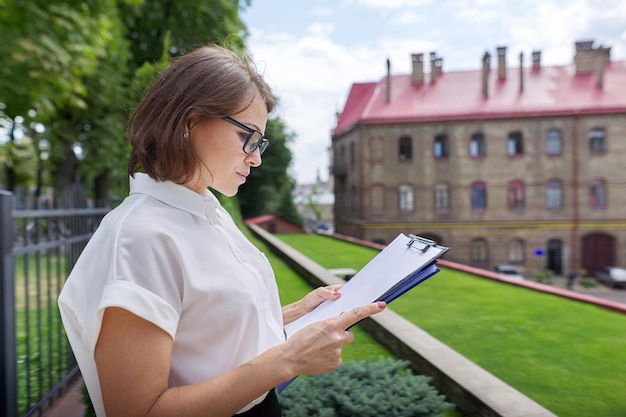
(254, 140)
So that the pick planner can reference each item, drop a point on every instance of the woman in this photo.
(170, 310)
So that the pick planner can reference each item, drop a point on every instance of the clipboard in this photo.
(406, 262)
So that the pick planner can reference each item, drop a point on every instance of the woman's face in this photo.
(219, 145)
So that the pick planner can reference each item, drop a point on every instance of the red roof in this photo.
(458, 95)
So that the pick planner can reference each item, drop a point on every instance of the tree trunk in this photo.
(64, 175)
(101, 189)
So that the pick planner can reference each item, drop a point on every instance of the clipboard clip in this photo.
(426, 242)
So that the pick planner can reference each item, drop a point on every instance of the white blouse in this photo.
(175, 258)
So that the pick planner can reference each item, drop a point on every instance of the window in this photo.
(597, 141)
(554, 142)
(405, 152)
(515, 195)
(554, 194)
(516, 251)
(597, 194)
(478, 252)
(477, 145)
(441, 146)
(442, 198)
(515, 144)
(405, 193)
(479, 196)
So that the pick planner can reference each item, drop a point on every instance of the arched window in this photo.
(515, 144)
(405, 151)
(515, 195)
(597, 194)
(477, 145)
(554, 194)
(405, 200)
(441, 146)
(442, 198)
(597, 140)
(479, 196)
(516, 251)
(554, 142)
(479, 255)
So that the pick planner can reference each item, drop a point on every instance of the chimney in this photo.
(586, 56)
(433, 67)
(486, 69)
(388, 96)
(536, 60)
(501, 62)
(417, 76)
(599, 70)
(439, 65)
(521, 72)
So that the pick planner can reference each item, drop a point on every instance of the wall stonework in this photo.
(377, 165)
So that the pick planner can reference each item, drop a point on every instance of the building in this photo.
(315, 204)
(513, 165)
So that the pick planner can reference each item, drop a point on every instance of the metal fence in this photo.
(39, 248)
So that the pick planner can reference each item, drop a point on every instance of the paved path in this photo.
(600, 290)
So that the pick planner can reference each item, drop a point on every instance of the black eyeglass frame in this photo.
(261, 144)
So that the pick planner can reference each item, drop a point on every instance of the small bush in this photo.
(364, 389)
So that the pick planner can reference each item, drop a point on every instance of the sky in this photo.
(312, 51)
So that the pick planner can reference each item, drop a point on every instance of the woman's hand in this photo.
(308, 303)
(316, 349)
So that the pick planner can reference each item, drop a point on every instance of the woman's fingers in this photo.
(351, 317)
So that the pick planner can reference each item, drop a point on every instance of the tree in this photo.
(51, 49)
(268, 189)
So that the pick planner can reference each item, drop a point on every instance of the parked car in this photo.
(612, 276)
(509, 271)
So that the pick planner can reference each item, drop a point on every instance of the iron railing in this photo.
(39, 248)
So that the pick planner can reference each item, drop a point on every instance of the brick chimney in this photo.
(433, 67)
(417, 76)
(486, 68)
(588, 58)
(536, 60)
(521, 72)
(501, 62)
(388, 92)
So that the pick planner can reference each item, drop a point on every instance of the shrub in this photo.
(365, 389)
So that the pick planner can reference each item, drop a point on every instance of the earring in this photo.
(186, 135)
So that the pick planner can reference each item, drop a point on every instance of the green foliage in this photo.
(386, 387)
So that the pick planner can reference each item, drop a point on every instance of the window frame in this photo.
(515, 144)
(517, 201)
(406, 196)
(441, 141)
(554, 193)
(602, 202)
(405, 149)
(554, 137)
(597, 135)
(479, 195)
(477, 141)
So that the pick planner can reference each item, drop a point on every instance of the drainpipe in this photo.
(574, 258)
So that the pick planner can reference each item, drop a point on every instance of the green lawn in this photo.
(566, 355)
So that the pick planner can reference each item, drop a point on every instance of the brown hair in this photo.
(211, 82)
